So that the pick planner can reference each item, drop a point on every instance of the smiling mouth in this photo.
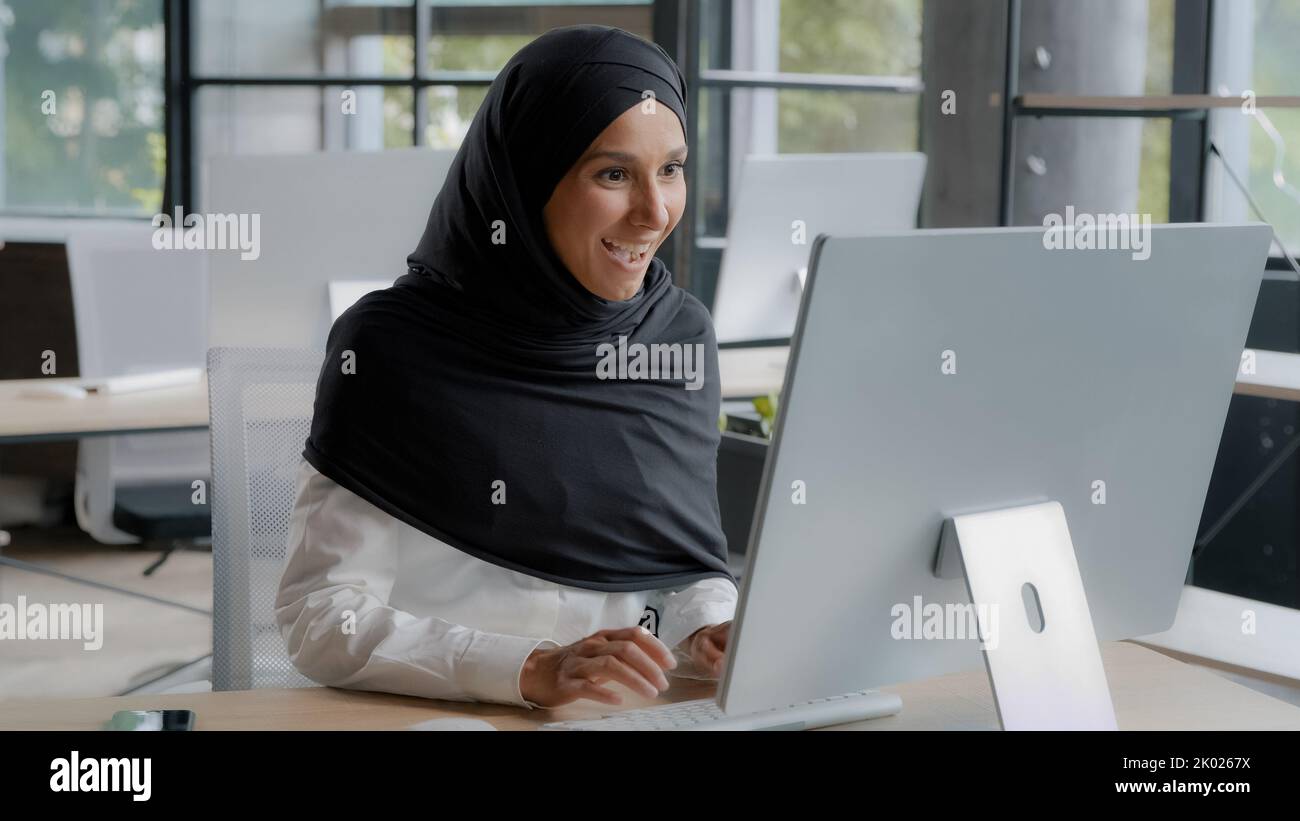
(626, 255)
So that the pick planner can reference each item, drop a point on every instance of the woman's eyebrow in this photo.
(622, 156)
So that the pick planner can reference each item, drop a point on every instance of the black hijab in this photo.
(466, 401)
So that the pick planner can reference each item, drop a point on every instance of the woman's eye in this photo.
(672, 170)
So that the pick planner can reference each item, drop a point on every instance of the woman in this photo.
(483, 513)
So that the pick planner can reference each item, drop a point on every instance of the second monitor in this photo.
(783, 203)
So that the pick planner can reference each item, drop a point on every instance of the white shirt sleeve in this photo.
(332, 610)
(687, 609)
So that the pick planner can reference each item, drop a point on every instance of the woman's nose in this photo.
(651, 208)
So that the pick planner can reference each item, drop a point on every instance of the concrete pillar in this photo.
(1092, 48)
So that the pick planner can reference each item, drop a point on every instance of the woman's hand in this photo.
(708, 647)
(631, 656)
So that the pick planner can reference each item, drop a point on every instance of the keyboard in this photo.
(704, 714)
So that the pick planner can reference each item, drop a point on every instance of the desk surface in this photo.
(24, 418)
(1276, 376)
(1150, 691)
(749, 372)
(745, 372)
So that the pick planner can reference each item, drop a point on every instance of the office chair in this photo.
(139, 310)
(260, 402)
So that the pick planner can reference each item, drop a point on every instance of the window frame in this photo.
(182, 83)
(677, 25)
(1193, 23)
(687, 252)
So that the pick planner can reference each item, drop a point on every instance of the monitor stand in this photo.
(1043, 660)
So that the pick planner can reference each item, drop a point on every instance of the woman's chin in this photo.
(617, 285)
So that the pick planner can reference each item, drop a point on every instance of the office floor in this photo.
(142, 639)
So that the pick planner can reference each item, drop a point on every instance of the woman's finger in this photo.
(711, 655)
(632, 654)
(716, 655)
(601, 668)
(646, 640)
(708, 659)
(722, 635)
(712, 647)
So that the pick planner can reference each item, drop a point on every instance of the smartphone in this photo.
(141, 720)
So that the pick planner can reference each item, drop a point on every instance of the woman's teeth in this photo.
(629, 254)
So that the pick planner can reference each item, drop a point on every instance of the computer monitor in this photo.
(782, 204)
(322, 217)
(946, 372)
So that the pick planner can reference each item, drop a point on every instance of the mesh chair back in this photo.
(261, 407)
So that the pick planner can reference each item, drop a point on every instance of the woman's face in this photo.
(627, 191)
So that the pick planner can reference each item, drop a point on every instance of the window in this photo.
(263, 76)
(81, 125)
(1254, 51)
(313, 75)
(1275, 144)
(791, 76)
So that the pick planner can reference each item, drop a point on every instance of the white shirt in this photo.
(430, 620)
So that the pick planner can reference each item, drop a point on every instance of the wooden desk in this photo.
(28, 419)
(1276, 376)
(1150, 691)
(749, 372)
(25, 419)
(745, 372)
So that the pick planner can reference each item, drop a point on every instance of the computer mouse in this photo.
(55, 390)
(452, 724)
